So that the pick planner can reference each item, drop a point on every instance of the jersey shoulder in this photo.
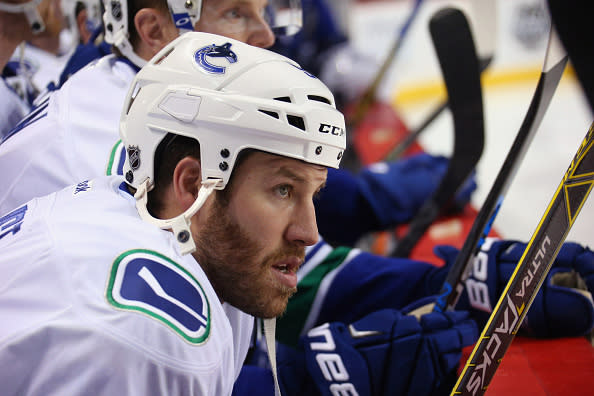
(121, 276)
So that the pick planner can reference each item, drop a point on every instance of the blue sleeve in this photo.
(343, 284)
(342, 212)
(82, 56)
(381, 196)
(369, 283)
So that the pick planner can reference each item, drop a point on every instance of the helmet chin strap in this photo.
(180, 225)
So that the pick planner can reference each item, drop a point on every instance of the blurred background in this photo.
(413, 85)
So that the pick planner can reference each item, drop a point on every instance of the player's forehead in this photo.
(225, 4)
(15, 1)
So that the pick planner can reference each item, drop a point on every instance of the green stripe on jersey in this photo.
(290, 325)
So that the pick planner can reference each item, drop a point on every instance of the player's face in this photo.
(252, 245)
(241, 20)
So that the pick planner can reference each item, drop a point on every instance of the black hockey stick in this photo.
(576, 31)
(484, 34)
(457, 56)
(555, 61)
(530, 272)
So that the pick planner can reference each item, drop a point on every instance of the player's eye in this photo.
(233, 14)
(283, 190)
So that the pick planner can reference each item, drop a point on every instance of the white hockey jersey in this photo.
(68, 137)
(96, 301)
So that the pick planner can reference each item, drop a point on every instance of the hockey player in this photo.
(69, 136)
(100, 294)
(19, 21)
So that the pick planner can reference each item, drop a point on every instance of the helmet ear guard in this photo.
(229, 96)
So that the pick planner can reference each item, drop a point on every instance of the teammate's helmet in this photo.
(28, 8)
(229, 96)
(283, 16)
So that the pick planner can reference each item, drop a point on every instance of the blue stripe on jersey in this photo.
(36, 114)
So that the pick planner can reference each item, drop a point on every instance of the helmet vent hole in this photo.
(135, 92)
(162, 58)
(319, 99)
(273, 114)
(284, 99)
(296, 121)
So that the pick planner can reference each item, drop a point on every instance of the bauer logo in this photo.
(148, 282)
(215, 58)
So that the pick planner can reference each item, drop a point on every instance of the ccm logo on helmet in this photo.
(332, 129)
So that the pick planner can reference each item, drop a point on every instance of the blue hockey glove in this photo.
(563, 306)
(388, 353)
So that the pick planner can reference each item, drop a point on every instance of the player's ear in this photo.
(155, 29)
(186, 181)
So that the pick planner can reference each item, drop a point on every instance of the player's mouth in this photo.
(285, 271)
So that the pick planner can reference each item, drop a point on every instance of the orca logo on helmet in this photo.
(214, 51)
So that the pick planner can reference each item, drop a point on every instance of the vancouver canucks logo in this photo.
(134, 156)
(205, 55)
(150, 283)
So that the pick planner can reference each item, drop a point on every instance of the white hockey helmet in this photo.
(283, 16)
(28, 8)
(229, 96)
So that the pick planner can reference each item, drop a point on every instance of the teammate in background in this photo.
(21, 21)
(116, 296)
(40, 58)
(352, 311)
(83, 18)
(69, 136)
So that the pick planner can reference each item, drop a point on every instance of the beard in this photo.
(230, 258)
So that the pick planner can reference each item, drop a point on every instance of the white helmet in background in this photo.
(229, 96)
(283, 16)
(28, 8)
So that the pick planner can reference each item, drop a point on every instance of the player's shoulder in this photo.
(103, 70)
(123, 267)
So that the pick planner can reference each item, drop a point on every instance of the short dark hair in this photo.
(172, 149)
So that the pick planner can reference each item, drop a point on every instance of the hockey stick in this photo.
(457, 56)
(369, 95)
(530, 272)
(576, 31)
(484, 33)
(555, 61)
